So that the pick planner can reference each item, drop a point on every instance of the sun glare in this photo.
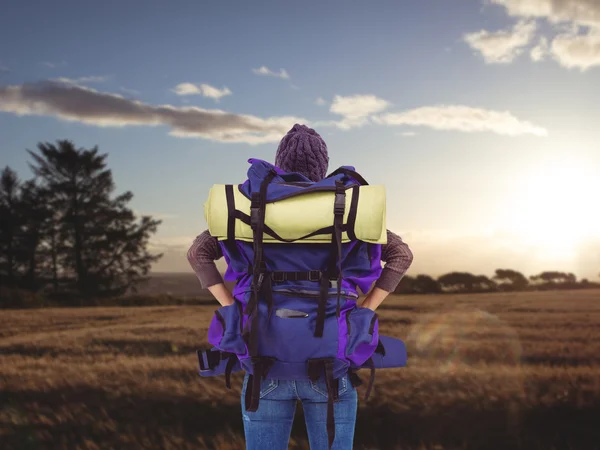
(557, 208)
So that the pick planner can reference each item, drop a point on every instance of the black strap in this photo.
(241, 312)
(315, 368)
(260, 368)
(321, 309)
(257, 222)
(352, 213)
(267, 290)
(339, 207)
(267, 230)
(354, 378)
(311, 275)
(350, 173)
(208, 359)
(231, 359)
(230, 241)
(380, 348)
(371, 365)
(372, 324)
(230, 212)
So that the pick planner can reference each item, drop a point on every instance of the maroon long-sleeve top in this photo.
(205, 250)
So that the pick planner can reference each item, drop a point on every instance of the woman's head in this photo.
(303, 150)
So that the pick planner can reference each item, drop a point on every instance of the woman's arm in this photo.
(398, 258)
(202, 255)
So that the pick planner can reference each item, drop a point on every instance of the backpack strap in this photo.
(257, 222)
(355, 379)
(316, 367)
(371, 365)
(260, 368)
(339, 208)
(350, 173)
(209, 359)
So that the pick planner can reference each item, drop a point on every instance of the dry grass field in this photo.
(497, 371)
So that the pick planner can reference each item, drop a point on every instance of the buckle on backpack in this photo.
(340, 204)
(314, 275)
(254, 209)
(261, 278)
(208, 359)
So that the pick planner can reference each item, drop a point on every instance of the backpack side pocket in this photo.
(225, 329)
(363, 335)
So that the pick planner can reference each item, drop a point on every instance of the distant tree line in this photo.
(62, 233)
(504, 280)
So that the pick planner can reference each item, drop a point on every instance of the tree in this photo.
(484, 284)
(10, 224)
(424, 284)
(466, 282)
(95, 241)
(554, 277)
(458, 281)
(510, 279)
(36, 213)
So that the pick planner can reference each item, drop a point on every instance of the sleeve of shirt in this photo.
(397, 257)
(203, 253)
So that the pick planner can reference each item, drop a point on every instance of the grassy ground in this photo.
(497, 371)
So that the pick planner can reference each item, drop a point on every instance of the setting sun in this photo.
(555, 210)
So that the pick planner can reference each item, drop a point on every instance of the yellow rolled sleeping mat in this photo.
(298, 216)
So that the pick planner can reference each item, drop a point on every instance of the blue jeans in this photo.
(270, 426)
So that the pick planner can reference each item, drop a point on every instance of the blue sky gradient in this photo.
(454, 195)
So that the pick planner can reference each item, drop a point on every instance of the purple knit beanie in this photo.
(303, 150)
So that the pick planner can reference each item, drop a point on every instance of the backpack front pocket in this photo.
(225, 330)
(363, 334)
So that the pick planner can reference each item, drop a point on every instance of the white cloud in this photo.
(462, 118)
(205, 90)
(77, 103)
(572, 47)
(584, 12)
(85, 105)
(502, 47)
(540, 51)
(577, 51)
(356, 109)
(357, 106)
(83, 80)
(265, 71)
(320, 101)
(407, 134)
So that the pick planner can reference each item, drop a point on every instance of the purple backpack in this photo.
(295, 315)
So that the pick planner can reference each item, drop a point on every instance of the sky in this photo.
(479, 117)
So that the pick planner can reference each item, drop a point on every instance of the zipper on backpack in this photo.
(310, 294)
